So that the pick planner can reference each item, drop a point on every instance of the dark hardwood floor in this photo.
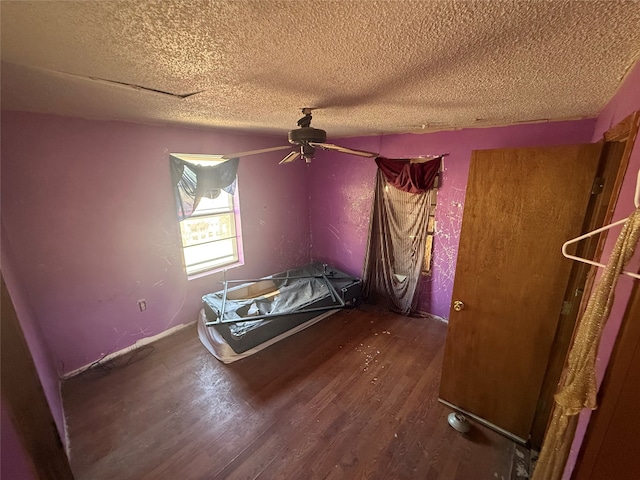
(353, 397)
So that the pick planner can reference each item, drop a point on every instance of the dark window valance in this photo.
(407, 176)
(193, 182)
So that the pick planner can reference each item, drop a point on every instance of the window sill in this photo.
(206, 273)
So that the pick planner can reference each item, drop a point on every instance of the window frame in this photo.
(237, 257)
(427, 262)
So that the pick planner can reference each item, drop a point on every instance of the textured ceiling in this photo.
(369, 67)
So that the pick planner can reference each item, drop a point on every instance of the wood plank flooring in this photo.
(352, 397)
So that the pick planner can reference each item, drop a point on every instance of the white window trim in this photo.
(202, 159)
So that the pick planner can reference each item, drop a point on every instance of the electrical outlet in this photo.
(142, 304)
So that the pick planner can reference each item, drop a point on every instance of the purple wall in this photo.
(625, 102)
(88, 212)
(341, 189)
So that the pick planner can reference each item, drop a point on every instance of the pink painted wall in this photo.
(87, 209)
(625, 102)
(15, 462)
(341, 190)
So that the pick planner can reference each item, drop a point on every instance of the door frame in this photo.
(26, 401)
(581, 281)
(600, 427)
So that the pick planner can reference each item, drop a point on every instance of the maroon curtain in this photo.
(409, 177)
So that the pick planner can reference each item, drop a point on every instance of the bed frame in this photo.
(230, 333)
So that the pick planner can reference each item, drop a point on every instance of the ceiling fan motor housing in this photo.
(306, 135)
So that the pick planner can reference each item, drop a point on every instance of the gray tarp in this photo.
(294, 294)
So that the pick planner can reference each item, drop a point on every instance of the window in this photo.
(427, 263)
(211, 236)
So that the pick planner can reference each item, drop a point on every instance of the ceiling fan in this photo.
(307, 139)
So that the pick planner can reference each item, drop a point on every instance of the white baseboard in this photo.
(140, 343)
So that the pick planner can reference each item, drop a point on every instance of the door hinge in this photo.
(598, 186)
(566, 308)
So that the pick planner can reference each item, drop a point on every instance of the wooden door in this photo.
(611, 447)
(521, 206)
(26, 402)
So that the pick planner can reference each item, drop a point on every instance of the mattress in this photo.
(289, 300)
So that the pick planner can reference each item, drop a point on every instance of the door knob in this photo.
(458, 305)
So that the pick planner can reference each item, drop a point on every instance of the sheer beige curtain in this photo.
(578, 388)
(396, 245)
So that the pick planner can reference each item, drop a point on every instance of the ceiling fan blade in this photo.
(290, 158)
(254, 152)
(337, 148)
